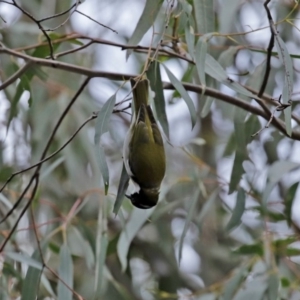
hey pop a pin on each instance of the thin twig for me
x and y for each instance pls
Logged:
(61, 13)
(50, 156)
(35, 176)
(81, 13)
(15, 76)
(14, 3)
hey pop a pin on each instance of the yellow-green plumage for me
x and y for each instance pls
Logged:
(146, 155)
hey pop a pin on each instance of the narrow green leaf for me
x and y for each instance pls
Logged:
(100, 128)
(25, 259)
(154, 77)
(201, 51)
(273, 286)
(23, 85)
(226, 58)
(241, 153)
(275, 173)
(186, 97)
(146, 20)
(207, 205)
(250, 250)
(100, 155)
(286, 60)
(101, 248)
(189, 217)
(204, 15)
(51, 167)
(103, 118)
(137, 219)
(253, 289)
(122, 188)
(215, 70)
(65, 273)
(289, 200)
(292, 252)
(238, 211)
(190, 38)
(234, 283)
(208, 100)
(288, 111)
(31, 283)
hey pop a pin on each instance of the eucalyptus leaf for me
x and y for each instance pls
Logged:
(123, 185)
(100, 128)
(146, 20)
(186, 97)
(65, 273)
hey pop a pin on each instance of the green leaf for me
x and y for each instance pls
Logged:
(215, 70)
(122, 188)
(292, 252)
(241, 153)
(137, 218)
(101, 248)
(65, 273)
(146, 20)
(153, 74)
(275, 173)
(31, 283)
(189, 217)
(289, 200)
(24, 85)
(100, 128)
(100, 154)
(186, 97)
(286, 60)
(250, 249)
(190, 38)
(201, 51)
(208, 205)
(204, 15)
(226, 58)
(273, 286)
(253, 290)
(234, 283)
(25, 259)
(238, 211)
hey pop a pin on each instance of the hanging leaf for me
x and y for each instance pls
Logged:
(275, 173)
(289, 200)
(186, 97)
(137, 219)
(187, 222)
(200, 56)
(31, 283)
(204, 14)
(65, 273)
(238, 211)
(100, 128)
(123, 185)
(153, 74)
(146, 20)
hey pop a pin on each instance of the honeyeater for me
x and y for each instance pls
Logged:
(143, 152)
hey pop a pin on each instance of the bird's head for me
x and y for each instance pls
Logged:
(144, 199)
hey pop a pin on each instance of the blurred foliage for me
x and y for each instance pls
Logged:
(227, 225)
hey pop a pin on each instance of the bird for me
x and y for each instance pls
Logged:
(143, 150)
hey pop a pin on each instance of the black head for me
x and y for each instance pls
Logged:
(144, 199)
